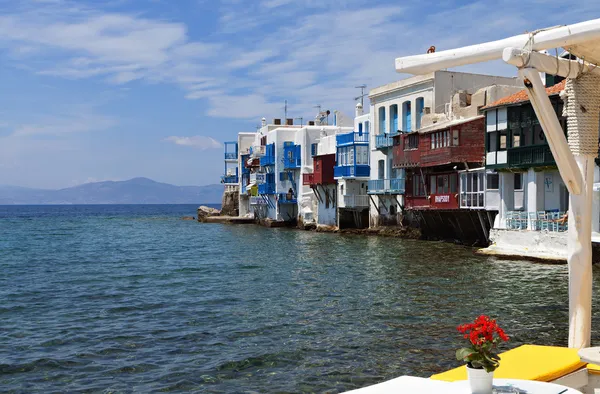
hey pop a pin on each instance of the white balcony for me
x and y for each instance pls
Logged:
(356, 201)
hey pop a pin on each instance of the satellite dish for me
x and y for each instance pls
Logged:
(328, 112)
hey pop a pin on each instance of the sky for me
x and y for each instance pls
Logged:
(116, 89)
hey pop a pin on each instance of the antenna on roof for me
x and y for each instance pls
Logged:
(285, 117)
(301, 119)
(362, 94)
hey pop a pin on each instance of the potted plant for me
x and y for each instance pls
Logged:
(484, 336)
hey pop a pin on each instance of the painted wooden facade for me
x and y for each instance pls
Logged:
(432, 159)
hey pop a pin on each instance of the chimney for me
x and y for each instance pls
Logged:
(359, 109)
(277, 122)
(289, 122)
(311, 122)
(264, 122)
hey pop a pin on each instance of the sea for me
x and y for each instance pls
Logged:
(131, 298)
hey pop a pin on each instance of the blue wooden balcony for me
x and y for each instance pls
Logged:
(384, 141)
(387, 186)
(267, 160)
(292, 155)
(352, 138)
(353, 171)
(231, 150)
(284, 198)
(245, 169)
(266, 188)
(230, 179)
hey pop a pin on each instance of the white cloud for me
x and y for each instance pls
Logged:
(64, 124)
(196, 141)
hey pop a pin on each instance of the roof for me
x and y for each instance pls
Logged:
(522, 96)
(448, 124)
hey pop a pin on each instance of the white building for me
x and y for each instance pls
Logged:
(400, 107)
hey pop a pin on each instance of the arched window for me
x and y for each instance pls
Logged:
(382, 120)
(420, 104)
(406, 116)
(393, 118)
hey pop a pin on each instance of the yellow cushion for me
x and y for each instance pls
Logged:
(593, 369)
(529, 362)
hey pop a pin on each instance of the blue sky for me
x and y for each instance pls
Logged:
(98, 90)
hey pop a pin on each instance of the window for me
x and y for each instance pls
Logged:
(453, 186)
(314, 149)
(366, 126)
(406, 117)
(381, 169)
(440, 139)
(393, 118)
(518, 181)
(455, 137)
(472, 193)
(382, 120)
(493, 181)
(503, 139)
(412, 142)
(420, 107)
(493, 141)
(516, 138)
(418, 188)
(362, 155)
(360, 128)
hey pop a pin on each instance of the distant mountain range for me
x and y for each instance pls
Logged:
(133, 191)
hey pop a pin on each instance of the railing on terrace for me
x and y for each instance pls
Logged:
(391, 186)
(384, 141)
(308, 179)
(257, 200)
(266, 188)
(230, 179)
(527, 156)
(553, 221)
(286, 198)
(230, 156)
(356, 200)
(267, 160)
(352, 138)
(293, 162)
(351, 171)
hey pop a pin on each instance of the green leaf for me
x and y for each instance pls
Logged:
(464, 353)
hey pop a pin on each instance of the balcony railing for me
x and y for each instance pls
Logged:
(528, 156)
(308, 179)
(266, 188)
(257, 200)
(230, 156)
(291, 162)
(389, 186)
(286, 198)
(351, 171)
(384, 141)
(352, 138)
(230, 179)
(356, 201)
(267, 160)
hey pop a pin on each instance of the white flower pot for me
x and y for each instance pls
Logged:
(480, 380)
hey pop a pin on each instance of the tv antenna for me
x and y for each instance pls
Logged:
(301, 119)
(362, 94)
(285, 109)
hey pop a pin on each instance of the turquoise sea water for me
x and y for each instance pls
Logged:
(132, 298)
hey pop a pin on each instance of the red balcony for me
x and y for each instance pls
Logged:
(323, 172)
(308, 179)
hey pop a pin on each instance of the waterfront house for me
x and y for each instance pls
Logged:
(351, 171)
(244, 164)
(230, 176)
(318, 204)
(401, 107)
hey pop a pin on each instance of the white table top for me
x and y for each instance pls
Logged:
(524, 386)
(411, 384)
(590, 355)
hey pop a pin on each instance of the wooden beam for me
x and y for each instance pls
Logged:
(557, 37)
(549, 64)
(375, 205)
(483, 227)
(567, 166)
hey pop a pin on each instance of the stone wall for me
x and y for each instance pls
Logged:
(230, 203)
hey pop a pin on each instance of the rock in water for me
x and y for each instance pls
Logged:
(230, 203)
(204, 212)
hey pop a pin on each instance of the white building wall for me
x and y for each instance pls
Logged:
(326, 213)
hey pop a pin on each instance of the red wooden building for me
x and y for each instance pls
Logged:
(322, 172)
(432, 158)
